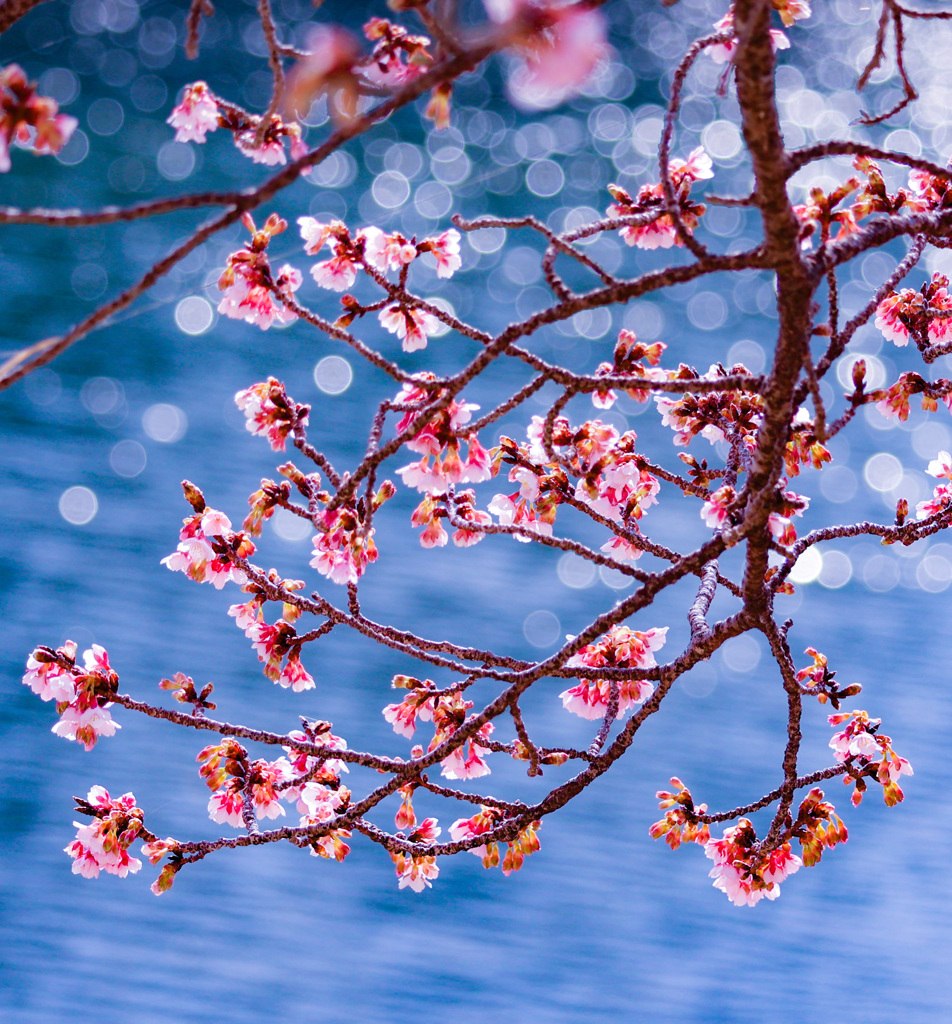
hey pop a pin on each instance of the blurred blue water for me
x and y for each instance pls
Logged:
(603, 922)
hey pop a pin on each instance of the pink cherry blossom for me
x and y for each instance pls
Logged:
(741, 873)
(415, 872)
(196, 557)
(592, 699)
(315, 234)
(511, 510)
(251, 300)
(103, 845)
(940, 501)
(621, 550)
(28, 118)
(468, 760)
(714, 511)
(941, 466)
(268, 412)
(620, 647)
(86, 726)
(337, 273)
(411, 325)
(318, 803)
(196, 115)
(387, 252)
(271, 153)
(50, 680)
(294, 674)
(343, 550)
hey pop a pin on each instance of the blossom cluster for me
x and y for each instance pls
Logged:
(868, 752)
(377, 252)
(252, 292)
(446, 709)
(104, 844)
(620, 647)
(746, 870)
(438, 436)
(208, 547)
(654, 227)
(486, 819)
(270, 413)
(245, 790)
(81, 693)
(200, 112)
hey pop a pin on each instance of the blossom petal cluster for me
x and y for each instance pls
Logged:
(447, 711)
(104, 844)
(270, 413)
(207, 548)
(864, 748)
(620, 647)
(81, 693)
(252, 291)
(654, 228)
(924, 315)
(200, 112)
(742, 872)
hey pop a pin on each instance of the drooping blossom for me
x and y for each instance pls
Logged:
(49, 679)
(398, 57)
(715, 510)
(415, 871)
(418, 704)
(742, 872)
(81, 693)
(204, 561)
(103, 845)
(255, 303)
(230, 775)
(561, 47)
(410, 324)
(439, 439)
(444, 248)
(511, 510)
(252, 291)
(270, 413)
(387, 252)
(196, 115)
(85, 726)
(343, 548)
(925, 314)
(861, 743)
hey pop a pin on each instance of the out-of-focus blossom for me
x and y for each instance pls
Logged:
(196, 115)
